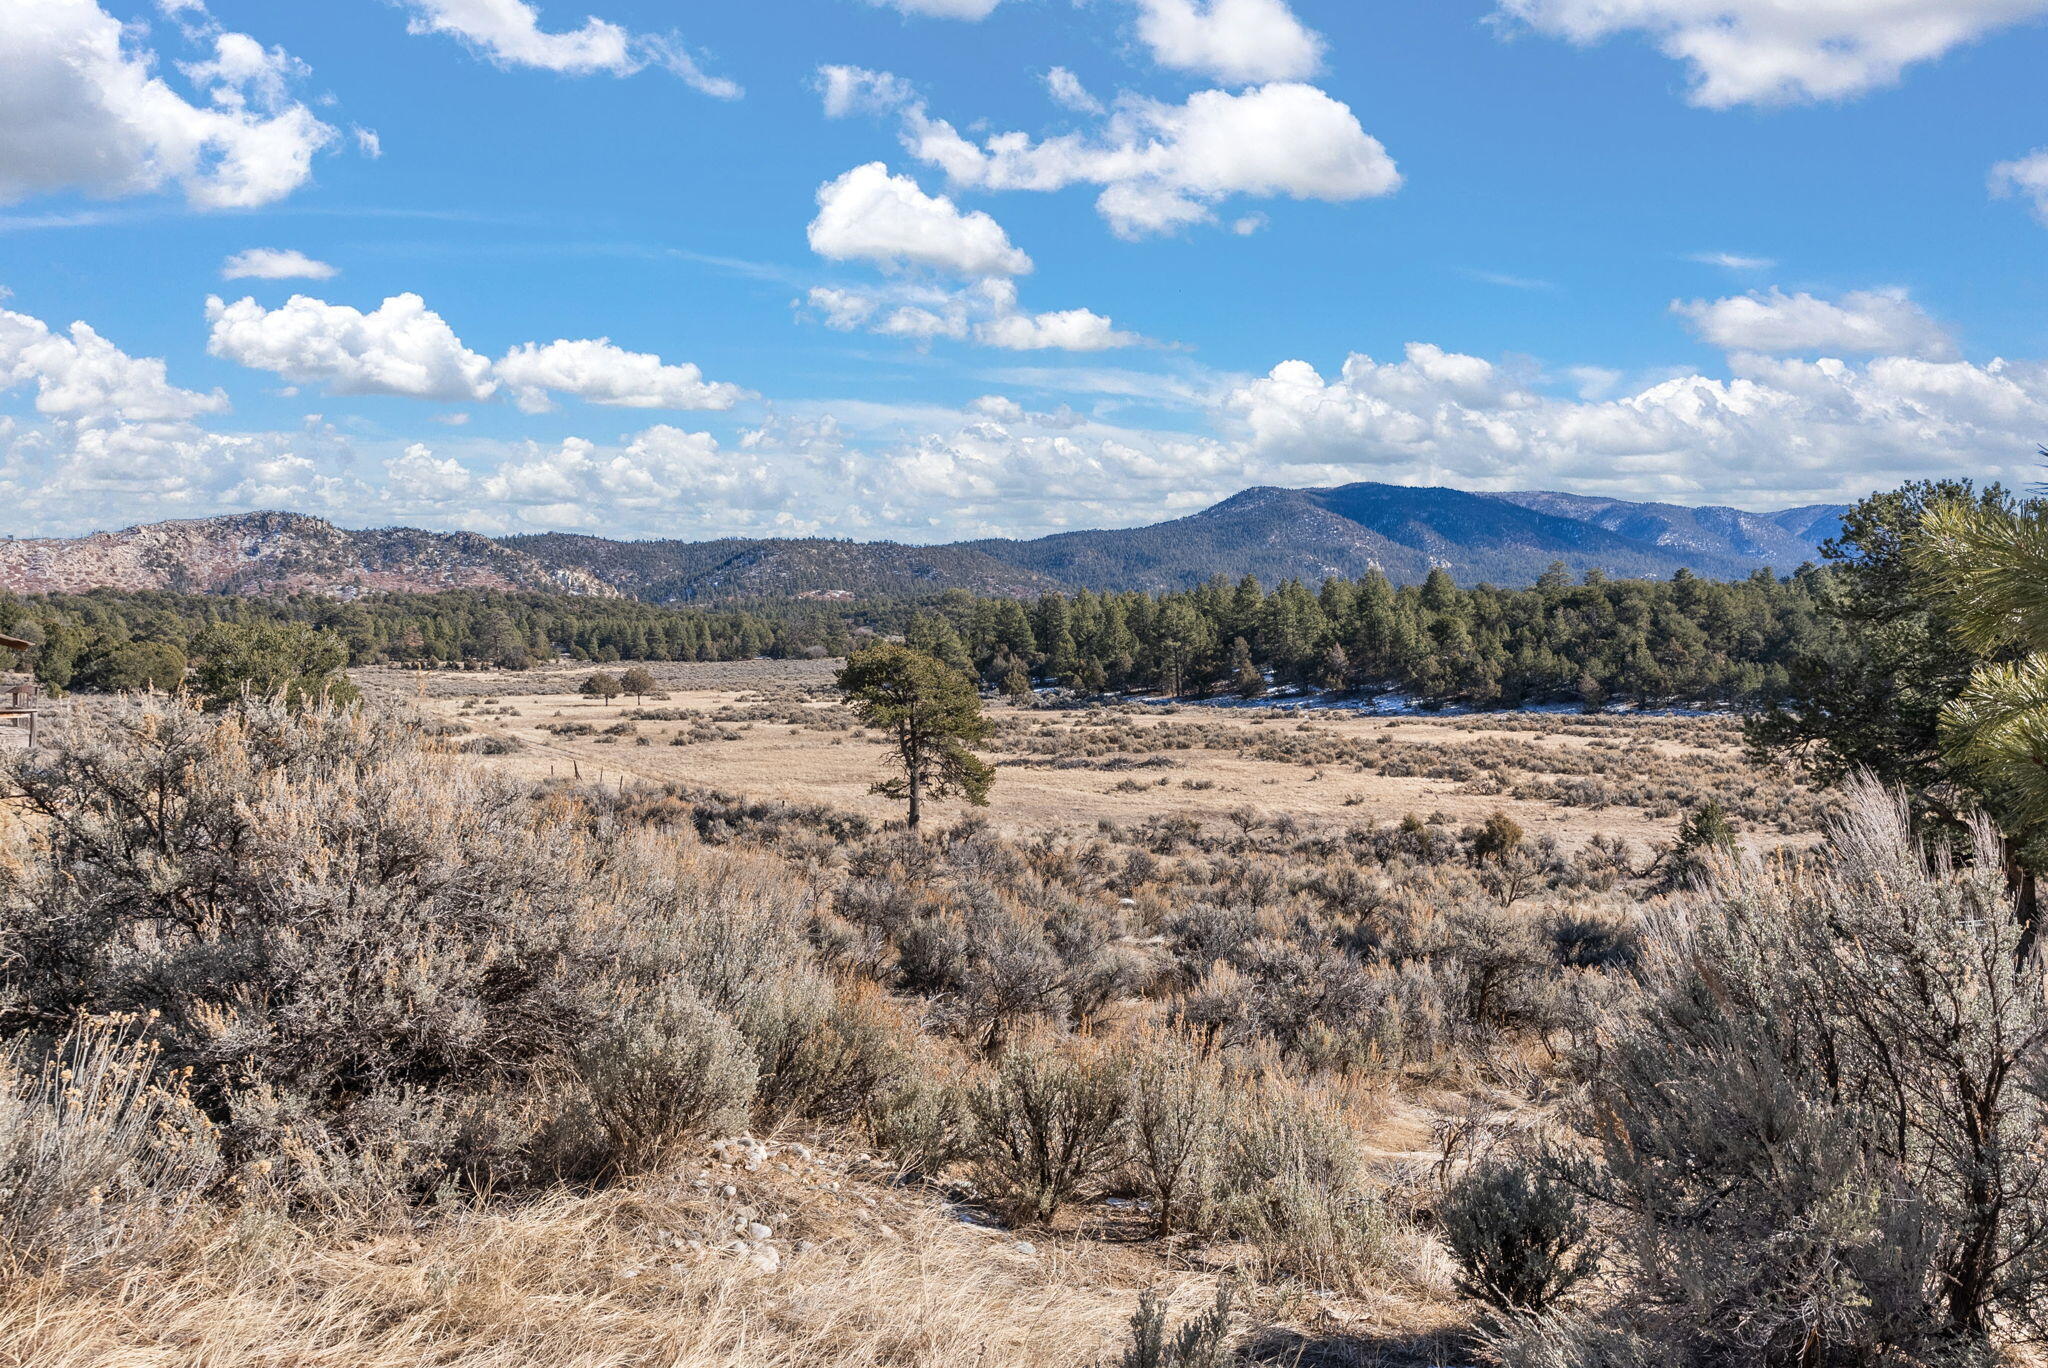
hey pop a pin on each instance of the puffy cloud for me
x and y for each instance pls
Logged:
(417, 474)
(857, 90)
(1772, 432)
(509, 33)
(84, 377)
(1238, 41)
(1861, 322)
(600, 373)
(1064, 330)
(1776, 431)
(1162, 166)
(81, 107)
(869, 215)
(1775, 52)
(271, 263)
(2027, 177)
(844, 310)
(404, 348)
(401, 347)
(73, 475)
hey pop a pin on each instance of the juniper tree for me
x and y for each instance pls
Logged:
(639, 682)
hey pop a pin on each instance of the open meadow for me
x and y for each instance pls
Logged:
(775, 730)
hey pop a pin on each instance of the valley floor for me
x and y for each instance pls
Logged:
(771, 729)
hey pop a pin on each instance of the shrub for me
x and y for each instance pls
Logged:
(1047, 1123)
(323, 911)
(923, 1124)
(665, 1069)
(99, 1151)
(1175, 1108)
(822, 1051)
(1819, 1118)
(1562, 1339)
(1198, 1344)
(1293, 1181)
(1520, 1240)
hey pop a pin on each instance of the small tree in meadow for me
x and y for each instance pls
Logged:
(639, 682)
(601, 686)
(932, 716)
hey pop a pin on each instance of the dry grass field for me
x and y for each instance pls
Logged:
(1144, 870)
(773, 730)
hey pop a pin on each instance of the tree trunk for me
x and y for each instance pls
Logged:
(2026, 900)
(915, 781)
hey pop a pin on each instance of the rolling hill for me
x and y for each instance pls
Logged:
(277, 553)
(1273, 533)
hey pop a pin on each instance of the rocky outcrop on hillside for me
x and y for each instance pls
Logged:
(279, 553)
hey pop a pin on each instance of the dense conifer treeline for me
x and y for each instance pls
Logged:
(1589, 640)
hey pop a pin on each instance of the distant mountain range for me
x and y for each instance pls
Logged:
(1276, 534)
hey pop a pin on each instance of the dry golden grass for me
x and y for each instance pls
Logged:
(775, 760)
(602, 1281)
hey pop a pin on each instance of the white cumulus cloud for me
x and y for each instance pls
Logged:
(870, 215)
(985, 311)
(400, 348)
(83, 377)
(509, 33)
(1010, 328)
(1780, 51)
(1776, 431)
(1860, 322)
(1068, 92)
(1162, 166)
(83, 106)
(596, 371)
(271, 263)
(1238, 41)
(404, 348)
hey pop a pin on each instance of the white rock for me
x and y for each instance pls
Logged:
(757, 1231)
(767, 1259)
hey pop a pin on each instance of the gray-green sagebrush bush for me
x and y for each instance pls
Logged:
(1200, 1342)
(99, 1150)
(1819, 1126)
(387, 972)
(1519, 1236)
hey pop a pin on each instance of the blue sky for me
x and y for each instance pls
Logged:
(927, 269)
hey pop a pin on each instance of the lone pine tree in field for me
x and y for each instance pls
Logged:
(932, 715)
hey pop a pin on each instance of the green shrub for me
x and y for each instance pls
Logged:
(666, 1069)
(1175, 1102)
(1047, 1123)
(1199, 1343)
(1520, 1240)
(1292, 1179)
